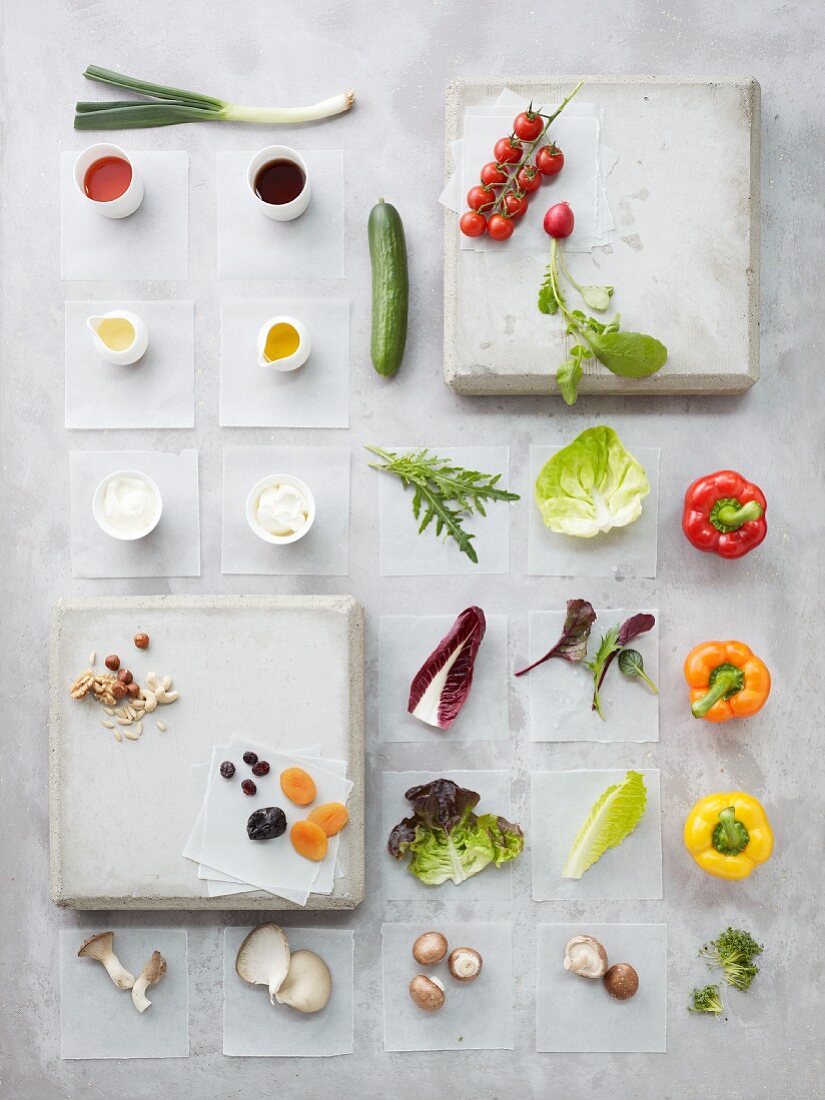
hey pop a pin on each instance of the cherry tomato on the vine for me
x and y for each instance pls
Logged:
(515, 204)
(528, 125)
(529, 179)
(480, 198)
(473, 224)
(549, 160)
(492, 174)
(499, 227)
(559, 220)
(507, 150)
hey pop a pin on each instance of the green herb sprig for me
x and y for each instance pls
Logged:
(707, 999)
(734, 951)
(442, 492)
(627, 354)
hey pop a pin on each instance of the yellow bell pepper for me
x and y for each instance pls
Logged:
(728, 834)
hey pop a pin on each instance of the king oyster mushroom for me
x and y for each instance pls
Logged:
(263, 958)
(99, 948)
(151, 974)
(308, 983)
(585, 956)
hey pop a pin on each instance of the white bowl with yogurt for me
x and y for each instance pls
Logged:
(127, 505)
(280, 509)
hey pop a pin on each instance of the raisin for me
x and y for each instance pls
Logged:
(261, 768)
(248, 787)
(227, 769)
(250, 758)
(266, 823)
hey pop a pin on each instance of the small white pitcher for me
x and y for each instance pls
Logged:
(135, 350)
(289, 362)
(125, 204)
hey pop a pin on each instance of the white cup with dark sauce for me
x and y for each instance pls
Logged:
(277, 177)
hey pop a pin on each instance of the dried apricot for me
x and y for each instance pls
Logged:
(309, 840)
(298, 786)
(331, 816)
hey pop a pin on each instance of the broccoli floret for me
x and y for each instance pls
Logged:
(734, 951)
(707, 1000)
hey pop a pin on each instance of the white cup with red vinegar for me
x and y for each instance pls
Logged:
(106, 178)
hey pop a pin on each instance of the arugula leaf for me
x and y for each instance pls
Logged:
(612, 643)
(628, 354)
(572, 645)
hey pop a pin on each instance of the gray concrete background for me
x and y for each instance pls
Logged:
(400, 58)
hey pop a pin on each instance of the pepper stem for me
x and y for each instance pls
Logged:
(730, 837)
(724, 682)
(731, 514)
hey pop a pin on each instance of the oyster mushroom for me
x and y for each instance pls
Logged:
(430, 948)
(151, 974)
(308, 983)
(465, 964)
(99, 948)
(428, 993)
(263, 958)
(585, 956)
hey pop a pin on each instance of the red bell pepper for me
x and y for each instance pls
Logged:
(725, 514)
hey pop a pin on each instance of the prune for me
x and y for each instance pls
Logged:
(227, 769)
(250, 758)
(261, 768)
(248, 787)
(266, 823)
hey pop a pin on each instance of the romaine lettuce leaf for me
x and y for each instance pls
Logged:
(591, 486)
(614, 817)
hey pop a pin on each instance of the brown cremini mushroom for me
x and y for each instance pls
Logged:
(428, 993)
(430, 948)
(621, 981)
(585, 956)
(465, 964)
(151, 974)
(99, 948)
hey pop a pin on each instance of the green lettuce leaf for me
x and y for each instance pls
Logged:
(612, 819)
(591, 485)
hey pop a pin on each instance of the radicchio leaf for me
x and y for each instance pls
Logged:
(441, 686)
(572, 645)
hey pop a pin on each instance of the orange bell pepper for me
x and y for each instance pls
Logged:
(726, 681)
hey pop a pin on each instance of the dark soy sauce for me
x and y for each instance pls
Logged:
(279, 181)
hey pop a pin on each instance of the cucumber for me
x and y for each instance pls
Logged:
(390, 288)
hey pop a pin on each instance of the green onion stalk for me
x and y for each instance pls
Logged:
(164, 106)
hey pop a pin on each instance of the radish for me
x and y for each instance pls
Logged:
(559, 220)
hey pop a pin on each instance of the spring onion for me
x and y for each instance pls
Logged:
(173, 105)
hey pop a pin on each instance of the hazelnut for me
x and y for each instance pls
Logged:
(430, 948)
(125, 676)
(112, 662)
(142, 641)
(119, 690)
(133, 690)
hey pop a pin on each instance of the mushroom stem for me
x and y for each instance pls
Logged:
(99, 948)
(150, 975)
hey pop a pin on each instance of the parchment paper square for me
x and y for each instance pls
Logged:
(254, 1028)
(97, 1020)
(315, 395)
(171, 550)
(252, 246)
(561, 694)
(491, 884)
(156, 392)
(152, 243)
(405, 643)
(477, 1015)
(561, 802)
(324, 550)
(405, 553)
(578, 1015)
(623, 552)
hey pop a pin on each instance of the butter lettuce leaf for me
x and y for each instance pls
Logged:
(611, 820)
(592, 485)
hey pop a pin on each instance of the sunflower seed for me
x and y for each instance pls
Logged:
(161, 727)
(124, 721)
(109, 711)
(108, 725)
(132, 736)
(118, 735)
(92, 657)
(139, 728)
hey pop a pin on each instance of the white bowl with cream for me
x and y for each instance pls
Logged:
(127, 505)
(280, 509)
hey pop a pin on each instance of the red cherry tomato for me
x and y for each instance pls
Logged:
(473, 224)
(549, 160)
(559, 220)
(499, 227)
(493, 174)
(507, 150)
(480, 198)
(529, 179)
(528, 125)
(515, 205)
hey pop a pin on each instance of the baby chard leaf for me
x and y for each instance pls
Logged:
(572, 645)
(628, 354)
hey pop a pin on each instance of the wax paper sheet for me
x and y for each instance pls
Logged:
(152, 243)
(315, 395)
